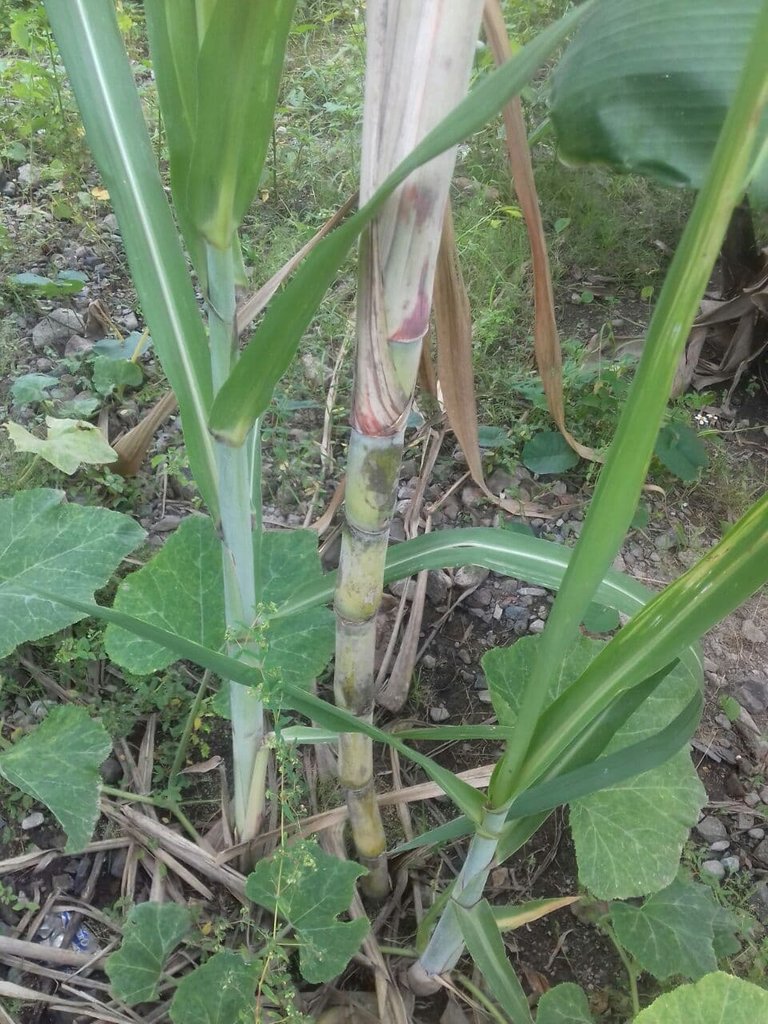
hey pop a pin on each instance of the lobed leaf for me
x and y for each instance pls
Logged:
(564, 1004)
(219, 992)
(68, 444)
(715, 999)
(309, 889)
(58, 764)
(150, 932)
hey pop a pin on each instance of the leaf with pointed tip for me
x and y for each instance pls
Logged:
(64, 548)
(58, 764)
(716, 999)
(150, 932)
(673, 931)
(564, 1004)
(219, 992)
(309, 889)
(485, 946)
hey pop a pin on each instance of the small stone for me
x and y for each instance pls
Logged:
(470, 576)
(484, 696)
(753, 695)
(759, 902)
(499, 878)
(33, 820)
(763, 795)
(731, 864)
(752, 800)
(745, 821)
(111, 771)
(407, 587)
(515, 612)
(500, 480)
(481, 598)
(438, 586)
(711, 829)
(714, 868)
(720, 846)
(396, 530)
(56, 329)
(28, 175)
(761, 852)
(756, 833)
(130, 321)
(429, 661)
(470, 495)
(464, 655)
(619, 564)
(441, 714)
(110, 223)
(723, 722)
(532, 592)
(77, 346)
(752, 632)
(537, 626)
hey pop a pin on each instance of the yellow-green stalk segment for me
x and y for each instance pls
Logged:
(419, 62)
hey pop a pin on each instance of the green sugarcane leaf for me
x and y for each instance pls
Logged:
(49, 543)
(58, 764)
(725, 577)
(509, 918)
(309, 888)
(218, 992)
(150, 932)
(485, 946)
(645, 86)
(247, 392)
(672, 933)
(715, 999)
(238, 75)
(564, 1004)
(607, 772)
(292, 696)
(615, 499)
(447, 833)
(92, 49)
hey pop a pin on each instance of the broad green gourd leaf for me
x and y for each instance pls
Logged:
(68, 445)
(113, 374)
(485, 946)
(564, 1004)
(50, 545)
(717, 999)
(248, 390)
(66, 283)
(219, 992)
(548, 452)
(150, 932)
(130, 347)
(681, 450)
(181, 590)
(91, 46)
(629, 838)
(309, 889)
(32, 387)
(672, 932)
(58, 764)
(507, 668)
(645, 86)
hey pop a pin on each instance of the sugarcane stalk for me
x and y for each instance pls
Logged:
(419, 60)
(240, 506)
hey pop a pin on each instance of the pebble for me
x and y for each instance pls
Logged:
(724, 722)
(752, 800)
(33, 820)
(441, 714)
(711, 829)
(56, 329)
(515, 612)
(465, 656)
(720, 846)
(752, 632)
(484, 696)
(714, 868)
(757, 833)
(759, 902)
(110, 223)
(745, 821)
(761, 852)
(532, 592)
(111, 771)
(438, 586)
(429, 661)
(731, 864)
(470, 576)
(537, 626)
(763, 795)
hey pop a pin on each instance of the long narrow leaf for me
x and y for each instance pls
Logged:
(327, 715)
(89, 41)
(486, 947)
(245, 396)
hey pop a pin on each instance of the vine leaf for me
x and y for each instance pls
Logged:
(151, 931)
(716, 998)
(309, 889)
(564, 1004)
(219, 992)
(58, 764)
(68, 444)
